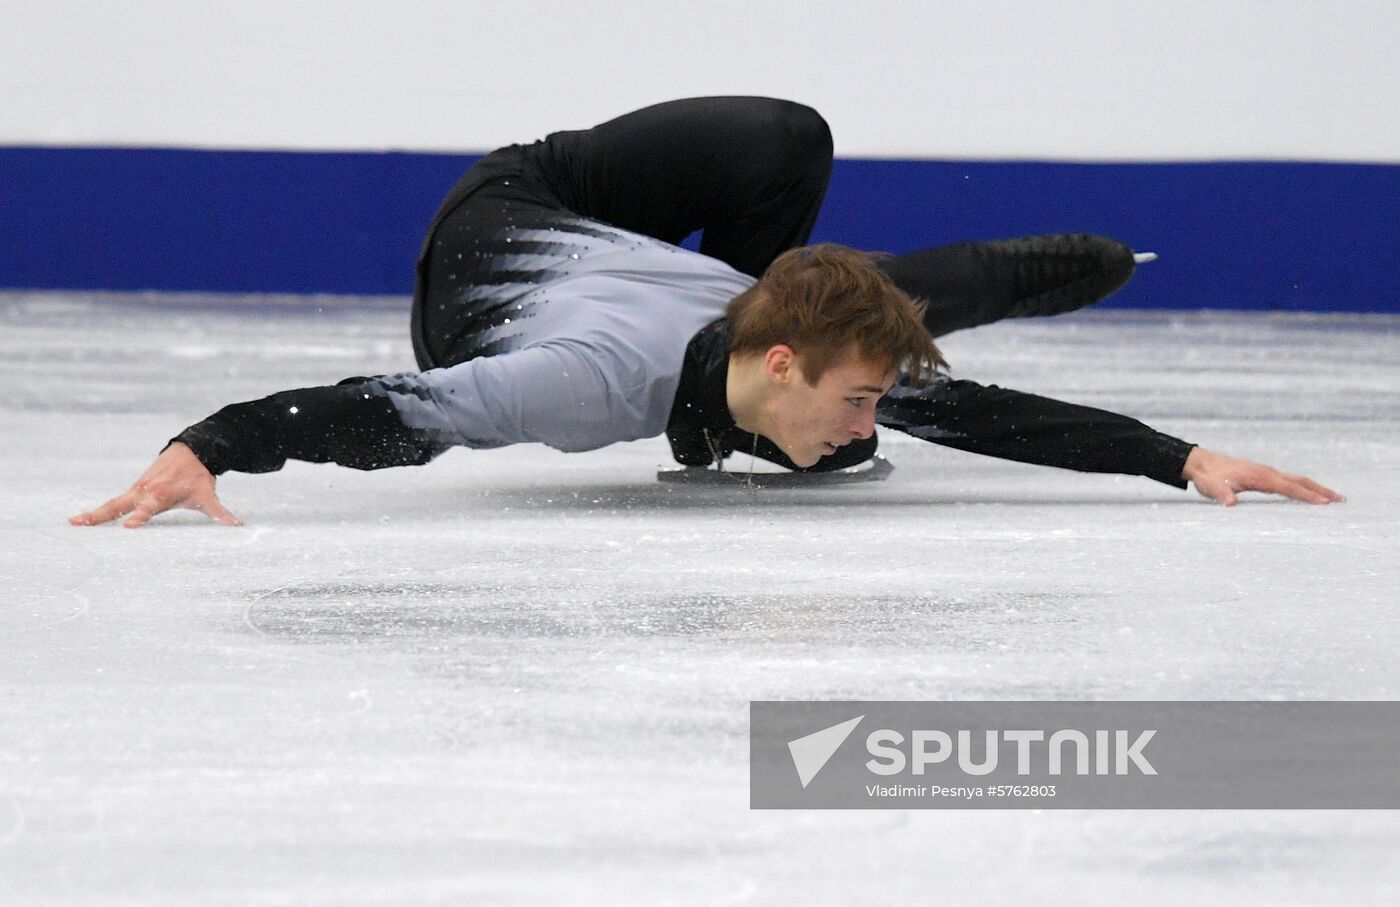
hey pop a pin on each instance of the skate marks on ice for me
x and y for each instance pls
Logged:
(391, 614)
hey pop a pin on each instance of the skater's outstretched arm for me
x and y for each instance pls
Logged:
(1004, 423)
(344, 423)
(551, 394)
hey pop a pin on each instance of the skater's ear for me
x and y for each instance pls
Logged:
(780, 363)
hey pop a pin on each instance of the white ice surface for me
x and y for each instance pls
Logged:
(519, 676)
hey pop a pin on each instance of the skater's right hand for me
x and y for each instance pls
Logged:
(175, 479)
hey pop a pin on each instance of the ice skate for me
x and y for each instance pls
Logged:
(875, 469)
(1055, 273)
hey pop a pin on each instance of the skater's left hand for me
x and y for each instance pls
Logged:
(1221, 477)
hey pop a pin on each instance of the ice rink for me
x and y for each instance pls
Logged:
(522, 677)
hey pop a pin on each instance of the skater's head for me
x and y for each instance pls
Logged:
(828, 303)
(815, 344)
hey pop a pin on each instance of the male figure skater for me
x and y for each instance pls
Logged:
(552, 305)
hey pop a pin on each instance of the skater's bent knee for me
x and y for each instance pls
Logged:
(807, 137)
(785, 136)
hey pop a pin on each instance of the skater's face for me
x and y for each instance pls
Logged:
(811, 421)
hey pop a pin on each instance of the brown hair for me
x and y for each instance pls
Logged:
(820, 300)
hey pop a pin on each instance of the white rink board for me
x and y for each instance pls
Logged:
(1071, 80)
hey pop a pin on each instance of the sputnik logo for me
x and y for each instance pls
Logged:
(811, 753)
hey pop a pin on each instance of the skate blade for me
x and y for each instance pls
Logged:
(876, 469)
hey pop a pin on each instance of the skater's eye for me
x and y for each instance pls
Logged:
(856, 401)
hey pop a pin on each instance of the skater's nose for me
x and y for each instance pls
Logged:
(863, 425)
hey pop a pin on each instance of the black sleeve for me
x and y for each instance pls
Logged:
(1003, 423)
(351, 423)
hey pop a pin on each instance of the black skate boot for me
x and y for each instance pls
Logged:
(974, 283)
(1054, 273)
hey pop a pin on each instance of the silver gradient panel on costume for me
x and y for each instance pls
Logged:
(586, 347)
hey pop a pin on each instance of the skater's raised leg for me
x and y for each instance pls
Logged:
(750, 172)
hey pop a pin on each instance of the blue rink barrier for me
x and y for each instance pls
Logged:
(1293, 236)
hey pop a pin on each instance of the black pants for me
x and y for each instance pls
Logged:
(748, 172)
